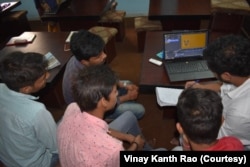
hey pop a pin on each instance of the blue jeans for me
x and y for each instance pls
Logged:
(137, 109)
(127, 123)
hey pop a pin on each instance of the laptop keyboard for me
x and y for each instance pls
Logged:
(182, 67)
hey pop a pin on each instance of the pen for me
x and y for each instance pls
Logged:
(195, 82)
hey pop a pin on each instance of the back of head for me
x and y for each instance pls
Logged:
(85, 44)
(200, 114)
(91, 84)
(229, 53)
(22, 69)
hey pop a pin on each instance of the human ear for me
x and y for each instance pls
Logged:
(104, 102)
(85, 62)
(179, 128)
(226, 76)
(26, 90)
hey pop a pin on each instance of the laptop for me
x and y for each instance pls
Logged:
(183, 54)
(54, 7)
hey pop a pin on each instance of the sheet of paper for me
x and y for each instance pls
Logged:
(167, 96)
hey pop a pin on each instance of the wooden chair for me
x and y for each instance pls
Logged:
(108, 35)
(227, 17)
(114, 18)
(43, 6)
(142, 25)
(223, 23)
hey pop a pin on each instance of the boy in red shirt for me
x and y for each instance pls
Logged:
(199, 114)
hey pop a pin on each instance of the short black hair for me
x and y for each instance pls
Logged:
(230, 53)
(20, 69)
(91, 84)
(84, 45)
(199, 112)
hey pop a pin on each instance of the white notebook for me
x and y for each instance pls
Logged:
(167, 96)
(24, 38)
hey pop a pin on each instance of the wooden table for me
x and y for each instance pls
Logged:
(179, 14)
(43, 43)
(151, 74)
(79, 14)
(46, 42)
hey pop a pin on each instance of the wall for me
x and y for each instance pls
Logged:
(132, 7)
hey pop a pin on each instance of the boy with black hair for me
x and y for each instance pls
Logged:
(27, 128)
(88, 50)
(199, 113)
(84, 138)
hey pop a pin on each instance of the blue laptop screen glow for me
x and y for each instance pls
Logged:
(183, 44)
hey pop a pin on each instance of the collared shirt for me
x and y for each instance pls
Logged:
(236, 112)
(83, 140)
(27, 130)
(72, 68)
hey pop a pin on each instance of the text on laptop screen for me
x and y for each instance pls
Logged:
(179, 45)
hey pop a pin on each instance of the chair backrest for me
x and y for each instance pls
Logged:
(45, 5)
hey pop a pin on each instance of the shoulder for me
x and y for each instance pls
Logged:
(231, 143)
(72, 108)
(72, 67)
(73, 63)
(72, 112)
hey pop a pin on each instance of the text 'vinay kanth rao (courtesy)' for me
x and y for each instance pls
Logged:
(237, 158)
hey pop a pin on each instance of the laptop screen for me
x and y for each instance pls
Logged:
(184, 44)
